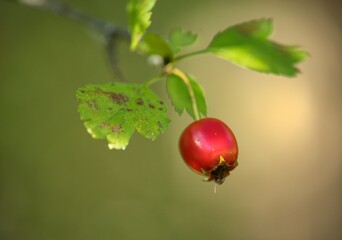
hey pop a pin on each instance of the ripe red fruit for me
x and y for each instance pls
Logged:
(209, 147)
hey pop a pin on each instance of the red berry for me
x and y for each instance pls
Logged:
(209, 147)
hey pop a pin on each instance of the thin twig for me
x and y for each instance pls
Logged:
(111, 47)
(110, 32)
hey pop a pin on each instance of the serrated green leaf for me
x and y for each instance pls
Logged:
(247, 45)
(140, 13)
(180, 38)
(114, 111)
(155, 44)
(181, 98)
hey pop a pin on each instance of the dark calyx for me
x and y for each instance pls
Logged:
(220, 173)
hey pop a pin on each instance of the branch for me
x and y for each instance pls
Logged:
(110, 32)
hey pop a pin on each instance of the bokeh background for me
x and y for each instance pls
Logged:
(56, 182)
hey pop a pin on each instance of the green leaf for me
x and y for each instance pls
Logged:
(199, 96)
(180, 38)
(114, 111)
(247, 45)
(155, 44)
(139, 12)
(180, 95)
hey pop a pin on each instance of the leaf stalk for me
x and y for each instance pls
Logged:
(190, 54)
(155, 79)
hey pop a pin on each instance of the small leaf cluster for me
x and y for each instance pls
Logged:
(115, 111)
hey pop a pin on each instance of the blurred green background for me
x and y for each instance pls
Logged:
(56, 182)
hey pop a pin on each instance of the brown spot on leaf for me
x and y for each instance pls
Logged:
(92, 105)
(129, 109)
(118, 98)
(117, 128)
(248, 28)
(140, 101)
(160, 125)
(151, 106)
(104, 125)
(98, 90)
(161, 102)
(161, 109)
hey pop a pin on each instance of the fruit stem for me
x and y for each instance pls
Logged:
(186, 80)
